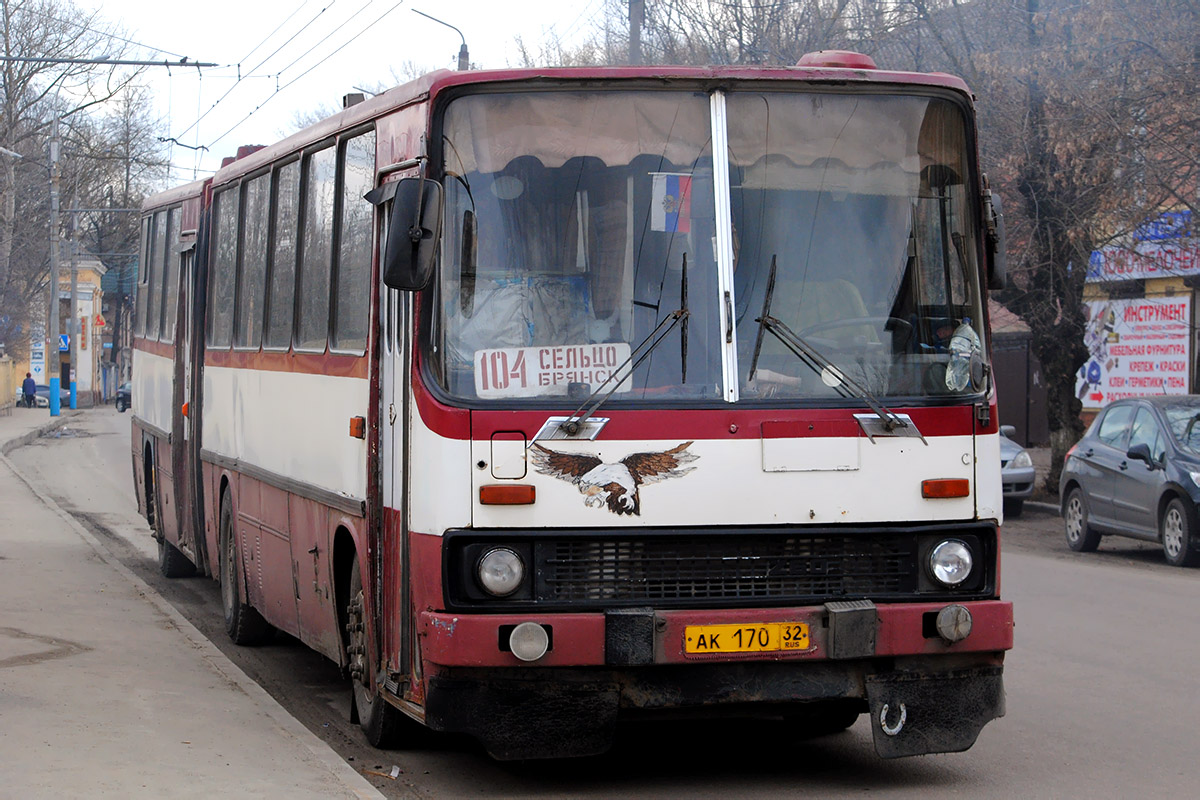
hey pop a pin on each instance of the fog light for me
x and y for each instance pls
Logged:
(951, 562)
(529, 641)
(501, 571)
(954, 623)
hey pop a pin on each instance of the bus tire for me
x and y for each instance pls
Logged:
(171, 562)
(384, 725)
(244, 625)
(1081, 537)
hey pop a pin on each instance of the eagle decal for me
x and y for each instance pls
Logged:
(615, 485)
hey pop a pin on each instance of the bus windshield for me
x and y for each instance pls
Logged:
(579, 224)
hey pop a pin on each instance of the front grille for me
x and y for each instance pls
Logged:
(590, 570)
(724, 569)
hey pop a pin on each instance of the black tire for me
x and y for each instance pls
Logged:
(384, 725)
(171, 562)
(1080, 536)
(823, 718)
(1014, 507)
(244, 625)
(121, 406)
(1176, 531)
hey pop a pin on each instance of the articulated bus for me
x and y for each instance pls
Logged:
(540, 399)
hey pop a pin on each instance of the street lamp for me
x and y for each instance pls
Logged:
(464, 60)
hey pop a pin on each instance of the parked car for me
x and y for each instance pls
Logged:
(1016, 472)
(123, 394)
(41, 399)
(1136, 472)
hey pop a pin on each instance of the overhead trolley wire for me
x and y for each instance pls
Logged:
(310, 69)
(259, 64)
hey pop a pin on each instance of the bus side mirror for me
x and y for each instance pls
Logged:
(413, 233)
(994, 211)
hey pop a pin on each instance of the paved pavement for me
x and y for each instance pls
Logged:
(107, 691)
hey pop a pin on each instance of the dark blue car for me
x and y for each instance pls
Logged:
(1136, 472)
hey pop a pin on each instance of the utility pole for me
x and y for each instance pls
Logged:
(53, 369)
(637, 10)
(73, 328)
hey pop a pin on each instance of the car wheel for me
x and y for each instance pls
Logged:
(120, 406)
(1080, 537)
(1013, 508)
(1178, 544)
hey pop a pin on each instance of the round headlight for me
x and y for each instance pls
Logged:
(950, 562)
(501, 571)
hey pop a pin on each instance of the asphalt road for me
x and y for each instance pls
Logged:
(1099, 684)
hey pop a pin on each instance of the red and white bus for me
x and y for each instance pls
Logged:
(537, 399)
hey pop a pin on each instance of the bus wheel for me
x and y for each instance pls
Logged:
(244, 625)
(379, 720)
(171, 562)
(824, 718)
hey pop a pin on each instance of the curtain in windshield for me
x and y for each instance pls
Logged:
(576, 223)
(860, 203)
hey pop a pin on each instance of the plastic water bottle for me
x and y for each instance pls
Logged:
(964, 344)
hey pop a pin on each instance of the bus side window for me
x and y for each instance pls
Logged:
(252, 266)
(220, 302)
(157, 251)
(316, 250)
(170, 272)
(351, 298)
(282, 255)
(143, 292)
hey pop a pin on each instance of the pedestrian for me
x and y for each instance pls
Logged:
(29, 388)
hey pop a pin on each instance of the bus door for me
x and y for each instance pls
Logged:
(393, 604)
(184, 454)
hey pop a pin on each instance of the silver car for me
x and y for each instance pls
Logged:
(1016, 472)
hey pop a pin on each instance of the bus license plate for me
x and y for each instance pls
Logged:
(745, 638)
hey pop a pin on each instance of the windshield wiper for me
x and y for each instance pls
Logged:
(574, 423)
(816, 360)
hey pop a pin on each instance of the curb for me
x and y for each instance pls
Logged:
(37, 433)
(354, 782)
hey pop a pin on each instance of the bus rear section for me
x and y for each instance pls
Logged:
(700, 420)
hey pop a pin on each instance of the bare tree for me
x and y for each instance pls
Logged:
(38, 39)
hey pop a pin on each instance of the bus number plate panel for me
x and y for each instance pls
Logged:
(754, 638)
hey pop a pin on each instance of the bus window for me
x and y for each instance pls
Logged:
(252, 270)
(157, 251)
(283, 257)
(354, 244)
(171, 276)
(316, 250)
(143, 293)
(220, 304)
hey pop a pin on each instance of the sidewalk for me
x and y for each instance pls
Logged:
(107, 691)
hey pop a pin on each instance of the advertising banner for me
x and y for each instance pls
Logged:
(1137, 346)
(1162, 247)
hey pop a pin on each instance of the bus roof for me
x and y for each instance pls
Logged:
(432, 84)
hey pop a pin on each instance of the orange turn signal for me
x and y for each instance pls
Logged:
(185, 409)
(358, 427)
(946, 487)
(507, 494)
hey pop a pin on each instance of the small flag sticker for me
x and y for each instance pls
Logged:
(671, 209)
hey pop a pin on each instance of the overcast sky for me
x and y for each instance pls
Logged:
(285, 55)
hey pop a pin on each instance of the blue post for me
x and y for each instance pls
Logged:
(74, 403)
(55, 402)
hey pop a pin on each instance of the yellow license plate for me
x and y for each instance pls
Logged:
(754, 638)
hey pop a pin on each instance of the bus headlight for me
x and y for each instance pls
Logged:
(950, 562)
(501, 571)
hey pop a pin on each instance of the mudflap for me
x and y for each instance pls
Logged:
(915, 714)
(517, 719)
